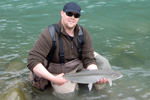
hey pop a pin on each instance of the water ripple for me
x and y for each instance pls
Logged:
(9, 57)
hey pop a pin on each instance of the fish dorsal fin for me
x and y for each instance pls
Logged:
(85, 69)
(90, 85)
(88, 69)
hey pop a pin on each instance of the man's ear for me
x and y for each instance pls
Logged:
(62, 12)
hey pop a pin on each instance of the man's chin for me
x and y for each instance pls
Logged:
(71, 26)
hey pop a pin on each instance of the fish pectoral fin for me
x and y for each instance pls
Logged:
(110, 82)
(90, 85)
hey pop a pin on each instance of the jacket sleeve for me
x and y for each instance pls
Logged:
(87, 50)
(40, 49)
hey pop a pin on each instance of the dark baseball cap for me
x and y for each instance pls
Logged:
(72, 7)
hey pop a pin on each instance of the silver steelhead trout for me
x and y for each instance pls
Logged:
(91, 76)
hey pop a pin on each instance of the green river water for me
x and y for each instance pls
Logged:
(120, 30)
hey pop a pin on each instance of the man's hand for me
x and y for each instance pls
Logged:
(102, 81)
(59, 80)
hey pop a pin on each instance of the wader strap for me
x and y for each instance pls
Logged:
(53, 48)
(61, 52)
(80, 42)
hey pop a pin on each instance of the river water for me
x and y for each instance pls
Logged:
(120, 30)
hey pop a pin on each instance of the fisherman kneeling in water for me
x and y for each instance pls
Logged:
(69, 60)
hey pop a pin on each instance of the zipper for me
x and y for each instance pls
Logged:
(72, 49)
(71, 44)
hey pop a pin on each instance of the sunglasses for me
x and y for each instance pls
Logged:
(70, 14)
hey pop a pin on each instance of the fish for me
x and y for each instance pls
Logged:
(89, 77)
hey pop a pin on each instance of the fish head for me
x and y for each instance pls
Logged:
(116, 75)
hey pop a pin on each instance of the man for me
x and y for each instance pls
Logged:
(69, 30)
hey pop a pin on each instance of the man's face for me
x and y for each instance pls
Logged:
(69, 21)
